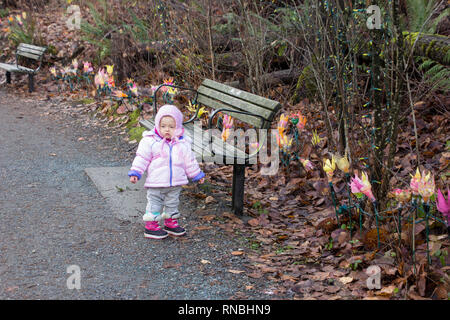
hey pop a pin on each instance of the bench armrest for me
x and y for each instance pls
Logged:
(155, 109)
(243, 112)
(34, 70)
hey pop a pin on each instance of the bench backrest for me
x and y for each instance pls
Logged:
(30, 51)
(220, 96)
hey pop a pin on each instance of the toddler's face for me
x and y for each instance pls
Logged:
(167, 126)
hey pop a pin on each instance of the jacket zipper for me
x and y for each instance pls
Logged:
(170, 163)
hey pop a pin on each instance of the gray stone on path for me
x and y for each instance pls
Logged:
(127, 200)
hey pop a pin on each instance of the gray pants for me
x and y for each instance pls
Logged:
(159, 199)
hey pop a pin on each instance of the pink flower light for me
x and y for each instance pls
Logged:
(362, 186)
(443, 205)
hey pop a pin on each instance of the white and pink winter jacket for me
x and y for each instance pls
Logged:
(168, 163)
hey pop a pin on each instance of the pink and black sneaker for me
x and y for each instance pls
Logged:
(172, 227)
(153, 230)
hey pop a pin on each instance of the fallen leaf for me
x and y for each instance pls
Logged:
(205, 261)
(255, 275)
(441, 292)
(201, 228)
(209, 199)
(346, 280)
(386, 291)
(253, 222)
(208, 217)
(237, 253)
(236, 271)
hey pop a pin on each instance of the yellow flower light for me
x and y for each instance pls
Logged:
(343, 164)
(426, 186)
(110, 69)
(329, 167)
(120, 94)
(315, 140)
(192, 107)
(414, 184)
(201, 111)
(282, 124)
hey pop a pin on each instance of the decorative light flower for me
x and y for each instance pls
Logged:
(443, 205)
(299, 120)
(134, 90)
(87, 67)
(99, 78)
(282, 124)
(53, 71)
(367, 188)
(227, 125)
(401, 195)
(362, 185)
(426, 185)
(307, 164)
(282, 141)
(169, 90)
(75, 64)
(225, 134)
(67, 70)
(120, 94)
(329, 167)
(109, 69)
(315, 140)
(111, 83)
(356, 185)
(19, 20)
(227, 121)
(414, 184)
(192, 108)
(201, 111)
(343, 164)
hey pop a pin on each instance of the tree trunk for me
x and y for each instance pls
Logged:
(432, 46)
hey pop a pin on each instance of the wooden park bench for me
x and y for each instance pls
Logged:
(25, 51)
(249, 108)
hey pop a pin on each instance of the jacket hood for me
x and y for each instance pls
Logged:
(174, 112)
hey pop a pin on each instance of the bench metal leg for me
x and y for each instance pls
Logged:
(8, 77)
(237, 202)
(30, 82)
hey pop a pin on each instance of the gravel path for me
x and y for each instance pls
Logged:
(52, 217)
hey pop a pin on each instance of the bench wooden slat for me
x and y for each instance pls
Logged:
(255, 121)
(234, 103)
(14, 68)
(36, 50)
(268, 104)
(25, 46)
(8, 67)
(29, 55)
(32, 51)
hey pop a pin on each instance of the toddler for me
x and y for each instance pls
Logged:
(167, 157)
